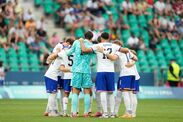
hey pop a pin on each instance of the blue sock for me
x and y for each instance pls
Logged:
(87, 102)
(74, 103)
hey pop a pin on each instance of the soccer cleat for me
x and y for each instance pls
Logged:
(133, 115)
(73, 115)
(53, 114)
(45, 114)
(104, 116)
(126, 116)
(98, 114)
(86, 115)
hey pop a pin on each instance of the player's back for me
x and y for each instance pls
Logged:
(104, 64)
(53, 71)
(123, 60)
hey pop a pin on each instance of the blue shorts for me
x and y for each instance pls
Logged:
(51, 85)
(60, 83)
(67, 85)
(1, 82)
(105, 81)
(136, 86)
(126, 83)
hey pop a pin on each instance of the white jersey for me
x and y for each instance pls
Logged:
(67, 61)
(123, 60)
(137, 76)
(103, 63)
(60, 46)
(53, 71)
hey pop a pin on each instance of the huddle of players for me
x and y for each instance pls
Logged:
(75, 56)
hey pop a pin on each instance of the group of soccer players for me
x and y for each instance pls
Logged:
(70, 72)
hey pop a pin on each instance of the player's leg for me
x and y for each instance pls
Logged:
(110, 88)
(125, 86)
(134, 98)
(101, 86)
(76, 85)
(87, 85)
(91, 100)
(67, 90)
(51, 87)
(99, 106)
(60, 87)
(118, 99)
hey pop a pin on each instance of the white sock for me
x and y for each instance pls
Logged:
(98, 101)
(134, 104)
(51, 101)
(61, 99)
(108, 103)
(103, 96)
(47, 107)
(91, 100)
(127, 102)
(117, 102)
(65, 102)
(110, 95)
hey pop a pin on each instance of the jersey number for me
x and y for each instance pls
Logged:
(110, 51)
(70, 58)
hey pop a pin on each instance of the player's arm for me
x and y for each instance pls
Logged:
(83, 48)
(52, 56)
(112, 57)
(65, 69)
(133, 55)
(123, 50)
(130, 64)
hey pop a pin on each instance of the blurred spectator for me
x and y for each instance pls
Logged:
(9, 10)
(3, 26)
(35, 46)
(99, 21)
(155, 26)
(121, 24)
(4, 42)
(142, 45)
(178, 7)
(2, 74)
(42, 35)
(111, 23)
(41, 24)
(127, 7)
(70, 22)
(31, 38)
(27, 15)
(18, 9)
(30, 24)
(159, 7)
(168, 7)
(173, 75)
(133, 42)
(154, 41)
(54, 40)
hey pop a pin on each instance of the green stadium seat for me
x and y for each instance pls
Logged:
(145, 37)
(125, 35)
(38, 2)
(142, 20)
(132, 19)
(164, 43)
(79, 33)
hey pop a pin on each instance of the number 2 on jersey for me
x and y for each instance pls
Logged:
(110, 51)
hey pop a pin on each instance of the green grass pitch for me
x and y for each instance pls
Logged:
(148, 111)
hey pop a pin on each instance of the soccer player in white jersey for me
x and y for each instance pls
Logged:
(59, 47)
(127, 83)
(51, 81)
(105, 83)
(67, 62)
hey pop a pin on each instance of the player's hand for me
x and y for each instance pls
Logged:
(81, 39)
(134, 52)
(130, 64)
(100, 49)
(58, 50)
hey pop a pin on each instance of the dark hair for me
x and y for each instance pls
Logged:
(1, 63)
(89, 35)
(99, 39)
(70, 40)
(105, 35)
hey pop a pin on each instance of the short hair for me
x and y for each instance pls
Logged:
(105, 35)
(99, 39)
(88, 35)
(70, 40)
